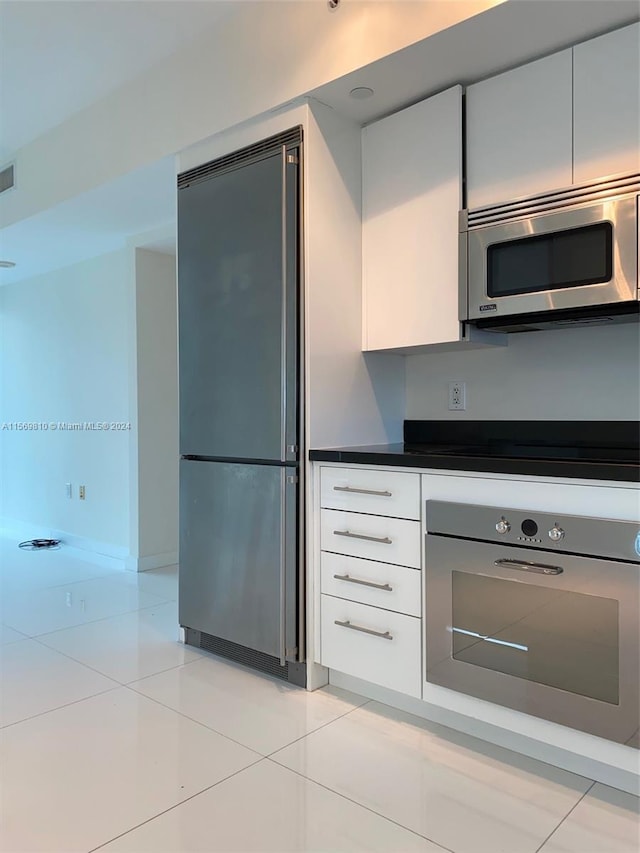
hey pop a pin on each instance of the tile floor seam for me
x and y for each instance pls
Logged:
(217, 731)
(153, 674)
(73, 583)
(573, 807)
(314, 731)
(91, 580)
(192, 719)
(177, 805)
(361, 805)
(92, 621)
(97, 671)
(116, 686)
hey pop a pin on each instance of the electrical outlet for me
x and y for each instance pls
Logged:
(68, 490)
(81, 493)
(457, 396)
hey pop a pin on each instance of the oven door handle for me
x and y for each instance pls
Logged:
(525, 566)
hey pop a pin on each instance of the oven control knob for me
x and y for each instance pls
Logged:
(556, 534)
(503, 526)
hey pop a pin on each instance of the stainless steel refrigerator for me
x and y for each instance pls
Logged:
(241, 589)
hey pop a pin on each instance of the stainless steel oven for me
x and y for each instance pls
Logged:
(564, 257)
(536, 612)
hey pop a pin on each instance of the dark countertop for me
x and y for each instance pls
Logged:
(579, 450)
(395, 455)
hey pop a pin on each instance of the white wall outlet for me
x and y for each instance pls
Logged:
(68, 490)
(81, 492)
(457, 396)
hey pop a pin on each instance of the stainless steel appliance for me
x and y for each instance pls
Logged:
(558, 258)
(536, 612)
(241, 586)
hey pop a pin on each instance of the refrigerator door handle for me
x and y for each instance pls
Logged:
(283, 341)
(283, 571)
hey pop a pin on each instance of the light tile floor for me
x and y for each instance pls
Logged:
(116, 737)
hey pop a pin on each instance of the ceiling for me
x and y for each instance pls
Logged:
(94, 223)
(59, 56)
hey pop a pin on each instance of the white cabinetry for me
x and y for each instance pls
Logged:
(376, 645)
(606, 131)
(566, 119)
(376, 491)
(519, 132)
(369, 561)
(411, 195)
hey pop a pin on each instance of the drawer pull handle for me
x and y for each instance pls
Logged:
(383, 494)
(383, 539)
(384, 586)
(385, 635)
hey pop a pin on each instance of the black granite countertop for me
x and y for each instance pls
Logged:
(593, 450)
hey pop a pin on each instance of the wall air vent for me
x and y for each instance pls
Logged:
(7, 178)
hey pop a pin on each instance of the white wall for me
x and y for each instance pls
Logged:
(64, 357)
(154, 451)
(590, 373)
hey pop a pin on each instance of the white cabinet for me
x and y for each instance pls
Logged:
(368, 575)
(376, 491)
(379, 584)
(372, 537)
(606, 132)
(411, 195)
(373, 644)
(519, 132)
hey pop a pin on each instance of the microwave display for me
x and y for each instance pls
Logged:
(551, 261)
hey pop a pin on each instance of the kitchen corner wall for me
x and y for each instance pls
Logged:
(64, 358)
(154, 405)
(590, 373)
(96, 341)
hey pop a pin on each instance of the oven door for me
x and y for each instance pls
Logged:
(561, 645)
(575, 258)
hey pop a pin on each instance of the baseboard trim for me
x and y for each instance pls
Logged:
(104, 554)
(153, 561)
(582, 765)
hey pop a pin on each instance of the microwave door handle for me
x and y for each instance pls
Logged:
(525, 566)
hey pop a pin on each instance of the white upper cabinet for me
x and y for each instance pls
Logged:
(519, 132)
(606, 134)
(411, 195)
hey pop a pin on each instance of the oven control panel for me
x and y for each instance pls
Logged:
(596, 537)
(530, 531)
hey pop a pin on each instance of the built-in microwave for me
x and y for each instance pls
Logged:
(560, 258)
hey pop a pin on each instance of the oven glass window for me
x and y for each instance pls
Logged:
(571, 258)
(563, 639)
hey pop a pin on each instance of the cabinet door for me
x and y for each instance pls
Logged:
(519, 136)
(606, 133)
(411, 194)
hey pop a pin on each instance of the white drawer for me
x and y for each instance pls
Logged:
(373, 537)
(390, 656)
(380, 584)
(377, 491)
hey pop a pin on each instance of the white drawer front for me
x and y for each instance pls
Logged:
(392, 587)
(387, 540)
(391, 660)
(379, 492)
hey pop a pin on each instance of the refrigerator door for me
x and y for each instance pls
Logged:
(238, 554)
(237, 294)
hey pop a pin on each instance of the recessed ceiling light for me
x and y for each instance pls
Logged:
(361, 93)
(7, 265)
